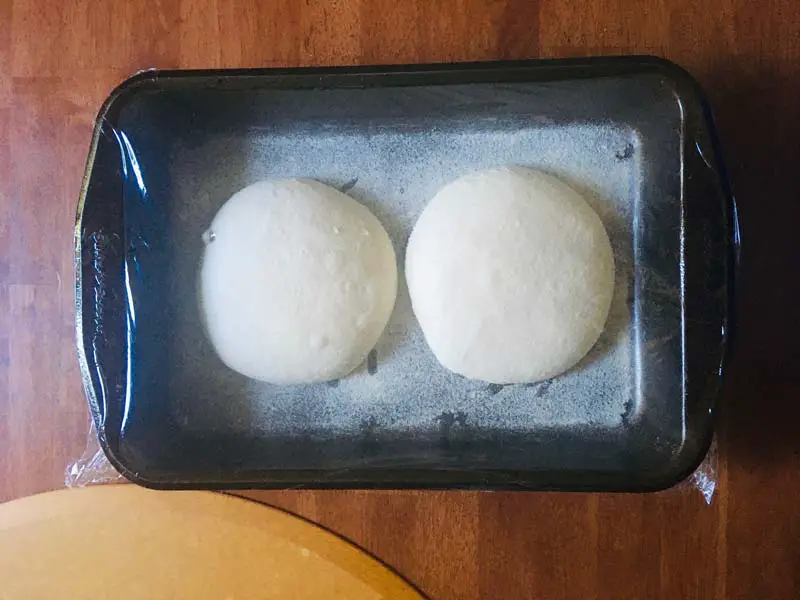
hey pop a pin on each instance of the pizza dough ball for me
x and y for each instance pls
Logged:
(511, 275)
(297, 283)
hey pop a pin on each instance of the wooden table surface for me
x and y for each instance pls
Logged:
(59, 59)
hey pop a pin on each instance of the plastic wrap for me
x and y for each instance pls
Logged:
(93, 468)
(170, 148)
(705, 477)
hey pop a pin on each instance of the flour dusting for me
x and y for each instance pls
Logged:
(395, 172)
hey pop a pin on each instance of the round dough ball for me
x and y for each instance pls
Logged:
(297, 283)
(511, 275)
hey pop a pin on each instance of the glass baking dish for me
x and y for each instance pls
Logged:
(634, 134)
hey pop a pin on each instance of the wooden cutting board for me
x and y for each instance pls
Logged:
(129, 543)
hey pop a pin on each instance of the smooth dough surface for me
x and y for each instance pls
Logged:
(511, 275)
(297, 283)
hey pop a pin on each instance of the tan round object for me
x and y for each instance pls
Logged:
(129, 543)
(297, 283)
(511, 275)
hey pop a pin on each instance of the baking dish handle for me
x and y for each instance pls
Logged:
(103, 338)
(711, 225)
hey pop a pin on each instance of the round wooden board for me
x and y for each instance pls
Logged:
(129, 543)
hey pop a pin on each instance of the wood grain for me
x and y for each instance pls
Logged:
(58, 60)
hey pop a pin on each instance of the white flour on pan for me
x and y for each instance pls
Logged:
(395, 173)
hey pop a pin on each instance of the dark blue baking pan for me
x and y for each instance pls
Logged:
(169, 147)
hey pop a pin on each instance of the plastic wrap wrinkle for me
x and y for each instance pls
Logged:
(92, 467)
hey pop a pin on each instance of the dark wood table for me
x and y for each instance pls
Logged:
(59, 59)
